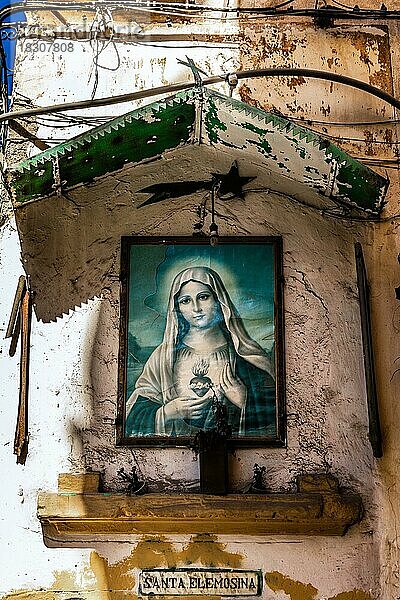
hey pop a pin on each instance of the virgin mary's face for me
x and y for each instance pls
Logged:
(198, 305)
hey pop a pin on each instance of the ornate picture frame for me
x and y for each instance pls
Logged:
(201, 327)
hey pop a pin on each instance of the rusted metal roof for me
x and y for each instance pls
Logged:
(287, 151)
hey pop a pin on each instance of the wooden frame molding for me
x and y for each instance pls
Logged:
(79, 514)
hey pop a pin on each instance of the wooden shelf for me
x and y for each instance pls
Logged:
(78, 512)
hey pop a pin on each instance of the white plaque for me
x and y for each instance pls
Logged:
(186, 582)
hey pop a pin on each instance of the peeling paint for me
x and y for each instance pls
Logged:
(296, 590)
(206, 550)
(112, 576)
(64, 581)
(213, 123)
(293, 82)
(112, 579)
(246, 95)
(153, 552)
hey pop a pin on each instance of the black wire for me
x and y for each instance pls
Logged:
(185, 7)
(105, 20)
(350, 139)
(188, 47)
(385, 166)
(184, 85)
(380, 160)
(338, 13)
(18, 93)
(62, 123)
(78, 120)
(104, 118)
(344, 123)
(67, 126)
(59, 117)
(54, 141)
(383, 163)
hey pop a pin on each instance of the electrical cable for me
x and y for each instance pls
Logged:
(102, 22)
(356, 140)
(384, 163)
(386, 167)
(54, 141)
(76, 118)
(64, 123)
(380, 160)
(307, 121)
(73, 119)
(189, 7)
(66, 126)
(88, 119)
(178, 8)
(188, 10)
(248, 74)
(232, 45)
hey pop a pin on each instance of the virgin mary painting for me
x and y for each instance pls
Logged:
(206, 354)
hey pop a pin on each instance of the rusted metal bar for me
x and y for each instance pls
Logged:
(375, 435)
(14, 311)
(21, 432)
(15, 335)
(23, 132)
(60, 17)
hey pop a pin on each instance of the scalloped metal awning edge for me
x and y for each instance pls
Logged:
(143, 134)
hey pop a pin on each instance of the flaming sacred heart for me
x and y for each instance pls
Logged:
(200, 383)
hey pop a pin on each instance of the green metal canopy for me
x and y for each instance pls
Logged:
(150, 172)
(290, 155)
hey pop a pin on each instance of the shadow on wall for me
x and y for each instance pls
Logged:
(91, 412)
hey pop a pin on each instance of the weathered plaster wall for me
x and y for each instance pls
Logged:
(383, 256)
(74, 359)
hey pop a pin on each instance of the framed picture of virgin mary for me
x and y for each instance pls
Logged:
(201, 326)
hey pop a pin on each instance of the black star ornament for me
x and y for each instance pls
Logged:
(231, 184)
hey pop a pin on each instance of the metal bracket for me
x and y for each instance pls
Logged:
(199, 98)
(57, 186)
(189, 62)
(232, 81)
